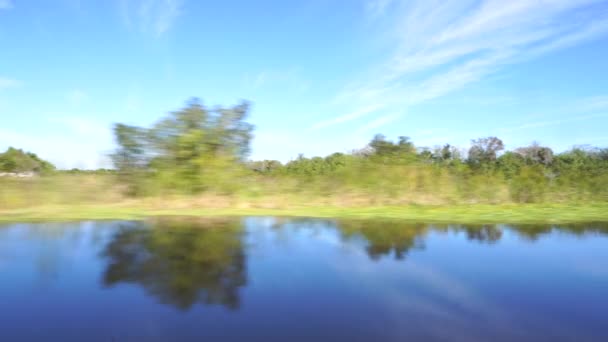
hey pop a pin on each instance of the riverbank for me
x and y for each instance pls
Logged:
(478, 213)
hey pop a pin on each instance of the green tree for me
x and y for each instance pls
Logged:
(536, 154)
(485, 150)
(188, 150)
(16, 160)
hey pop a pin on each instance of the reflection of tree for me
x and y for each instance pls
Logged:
(533, 232)
(180, 262)
(484, 233)
(385, 237)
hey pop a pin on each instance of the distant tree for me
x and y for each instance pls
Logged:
(484, 150)
(425, 154)
(265, 166)
(406, 145)
(536, 153)
(445, 153)
(383, 147)
(16, 160)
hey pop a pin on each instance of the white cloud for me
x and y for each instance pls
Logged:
(377, 8)
(6, 4)
(347, 117)
(62, 150)
(76, 97)
(379, 122)
(150, 16)
(556, 122)
(584, 109)
(444, 46)
(9, 83)
(288, 79)
(83, 127)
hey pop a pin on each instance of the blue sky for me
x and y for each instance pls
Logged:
(323, 75)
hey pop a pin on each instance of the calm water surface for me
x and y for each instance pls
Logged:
(305, 279)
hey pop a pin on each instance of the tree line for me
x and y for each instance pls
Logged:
(197, 149)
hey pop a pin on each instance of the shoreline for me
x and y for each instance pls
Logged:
(472, 214)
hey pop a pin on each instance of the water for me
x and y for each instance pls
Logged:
(304, 279)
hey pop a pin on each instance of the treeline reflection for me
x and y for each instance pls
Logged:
(180, 262)
(183, 262)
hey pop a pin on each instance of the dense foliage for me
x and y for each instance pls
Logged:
(17, 161)
(200, 154)
(197, 149)
(189, 150)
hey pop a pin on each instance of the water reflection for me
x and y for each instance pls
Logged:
(390, 237)
(385, 237)
(348, 279)
(185, 261)
(180, 261)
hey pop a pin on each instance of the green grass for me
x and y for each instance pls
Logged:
(519, 213)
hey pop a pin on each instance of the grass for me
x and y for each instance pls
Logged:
(478, 213)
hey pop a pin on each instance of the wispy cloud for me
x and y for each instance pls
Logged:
(379, 122)
(76, 97)
(286, 79)
(540, 124)
(6, 4)
(446, 45)
(590, 108)
(150, 16)
(9, 83)
(347, 117)
(59, 148)
(377, 8)
(83, 126)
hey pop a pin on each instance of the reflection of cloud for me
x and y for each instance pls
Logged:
(593, 268)
(443, 305)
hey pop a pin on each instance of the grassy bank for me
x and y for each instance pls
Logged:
(479, 214)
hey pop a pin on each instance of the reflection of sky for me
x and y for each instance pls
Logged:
(305, 277)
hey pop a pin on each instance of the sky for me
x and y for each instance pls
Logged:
(323, 76)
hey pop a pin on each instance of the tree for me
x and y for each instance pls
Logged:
(18, 161)
(445, 153)
(484, 150)
(383, 147)
(536, 154)
(188, 148)
(130, 157)
(130, 154)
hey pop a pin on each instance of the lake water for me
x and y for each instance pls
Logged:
(302, 279)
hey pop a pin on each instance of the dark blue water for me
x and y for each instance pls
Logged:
(275, 279)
